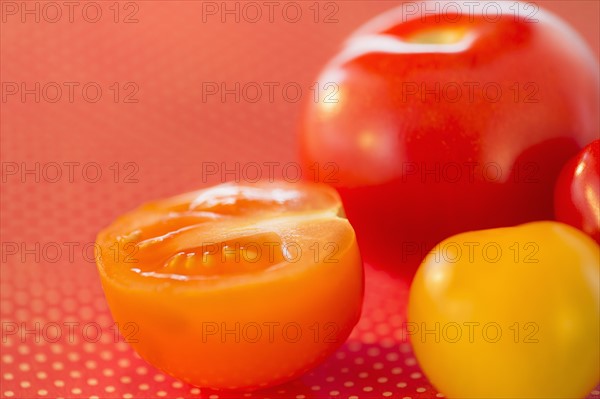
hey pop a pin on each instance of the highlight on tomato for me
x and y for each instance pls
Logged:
(577, 192)
(237, 286)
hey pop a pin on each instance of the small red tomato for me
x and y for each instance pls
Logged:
(577, 193)
(450, 121)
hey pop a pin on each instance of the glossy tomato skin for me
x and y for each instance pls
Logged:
(509, 313)
(577, 193)
(467, 133)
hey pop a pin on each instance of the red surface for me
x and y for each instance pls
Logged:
(163, 139)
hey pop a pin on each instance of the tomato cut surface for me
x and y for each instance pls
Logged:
(236, 286)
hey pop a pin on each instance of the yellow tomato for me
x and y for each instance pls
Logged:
(509, 313)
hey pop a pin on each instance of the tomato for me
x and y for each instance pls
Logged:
(234, 287)
(577, 193)
(509, 313)
(450, 121)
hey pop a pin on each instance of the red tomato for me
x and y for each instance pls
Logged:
(577, 194)
(449, 122)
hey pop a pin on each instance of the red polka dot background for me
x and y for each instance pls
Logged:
(105, 106)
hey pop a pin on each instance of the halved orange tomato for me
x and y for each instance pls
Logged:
(238, 286)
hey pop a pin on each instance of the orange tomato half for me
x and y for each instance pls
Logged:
(236, 286)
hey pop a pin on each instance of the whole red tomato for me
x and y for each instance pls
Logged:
(450, 117)
(577, 193)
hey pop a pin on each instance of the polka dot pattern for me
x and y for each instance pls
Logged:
(58, 338)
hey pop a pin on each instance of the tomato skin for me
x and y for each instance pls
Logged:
(253, 320)
(534, 310)
(399, 149)
(577, 193)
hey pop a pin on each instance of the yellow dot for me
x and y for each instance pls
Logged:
(42, 392)
(9, 393)
(368, 389)
(59, 383)
(161, 393)
(76, 391)
(92, 381)
(75, 374)
(25, 384)
(421, 390)
(141, 370)
(8, 376)
(373, 352)
(411, 361)
(41, 375)
(40, 357)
